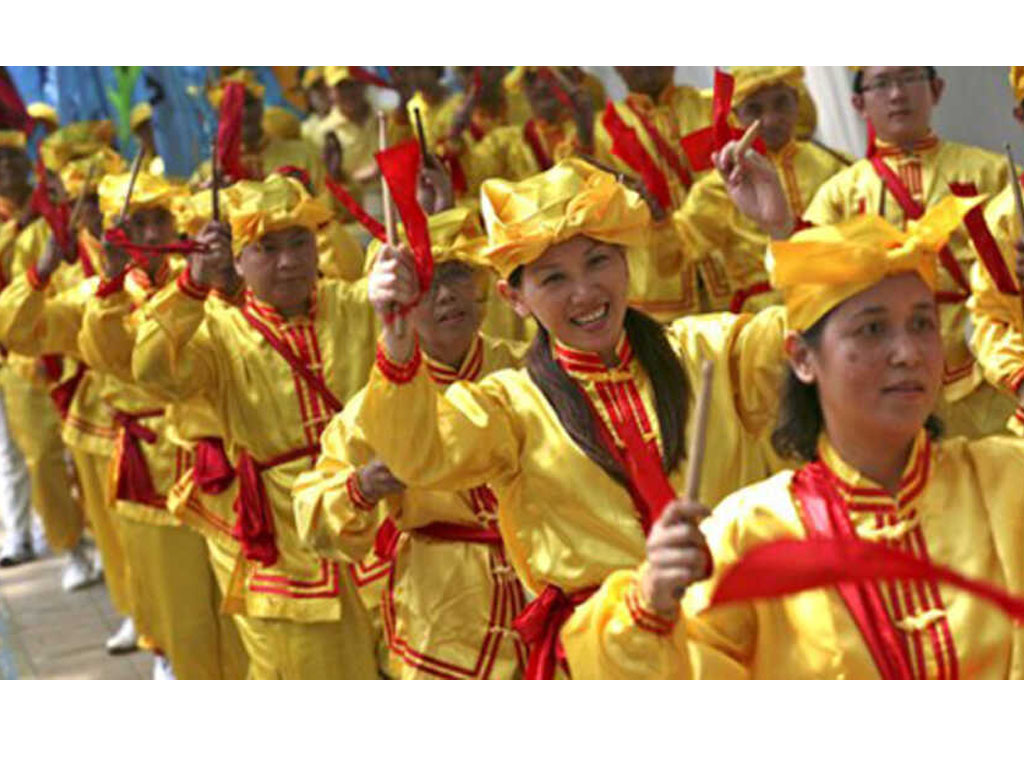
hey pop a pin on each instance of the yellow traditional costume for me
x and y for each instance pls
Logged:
(958, 505)
(450, 598)
(929, 171)
(565, 522)
(709, 224)
(306, 618)
(997, 335)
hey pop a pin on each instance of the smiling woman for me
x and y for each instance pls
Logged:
(606, 392)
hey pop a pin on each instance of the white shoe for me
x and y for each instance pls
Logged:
(125, 640)
(162, 668)
(15, 552)
(80, 570)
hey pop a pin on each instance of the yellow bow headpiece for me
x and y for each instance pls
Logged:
(525, 218)
(149, 192)
(257, 208)
(749, 80)
(76, 140)
(83, 175)
(820, 268)
(455, 235)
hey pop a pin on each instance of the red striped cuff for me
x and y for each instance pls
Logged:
(1014, 381)
(110, 287)
(37, 282)
(644, 616)
(398, 373)
(356, 496)
(190, 287)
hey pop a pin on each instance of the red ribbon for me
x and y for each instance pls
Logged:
(540, 624)
(118, 238)
(134, 481)
(700, 144)
(400, 167)
(212, 471)
(370, 224)
(63, 394)
(627, 147)
(664, 149)
(57, 215)
(986, 246)
(229, 131)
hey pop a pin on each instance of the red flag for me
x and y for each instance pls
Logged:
(370, 224)
(229, 131)
(627, 147)
(699, 145)
(400, 167)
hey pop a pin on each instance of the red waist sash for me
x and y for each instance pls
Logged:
(540, 624)
(133, 479)
(212, 471)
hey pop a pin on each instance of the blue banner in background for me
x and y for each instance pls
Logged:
(183, 119)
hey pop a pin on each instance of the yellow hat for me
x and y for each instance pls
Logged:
(749, 80)
(149, 192)
(455, 235)
(75, 140)
(44, 112)
(83, 175)
(1017, 83)
(335, 75)
(12, 139)
(280, 123)
(197, 209)
(257, 208)
(313, 75)
(244, 76)
(525, 218)
(820, 268)
(140, 113)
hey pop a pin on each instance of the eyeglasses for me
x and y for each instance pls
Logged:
(903, 79)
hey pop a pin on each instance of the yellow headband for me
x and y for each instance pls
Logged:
(312, 76)
(12, 139)
(750, 80)
(141, 112)
(149, 192)
(244, 76)
(820, 268)
(525, 218)
(75, 173)
(42, 111)
(257, 208)
(75, 140)
(1017, 84)
(455, 235)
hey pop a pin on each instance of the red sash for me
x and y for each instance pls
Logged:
(64, 393)
(540, 624)
(740, 297)
(628, 148)
(668, 154)
(986, 246)
(386, 541)
(133, 479)
(254, 528)
(532, 137)
(212, 471)
(299, 367)
(913, 210)
(823, 513)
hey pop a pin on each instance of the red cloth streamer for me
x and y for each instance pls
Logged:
(665, 149)
(986, 246)
(254, 528)
(12, 108)
(370, 224)
(540, 624)
(700, 144)
(229, 132)
(212, 471)
(400, 167)
(57, 215)
(139, 252)
(364, 75)
(134, 481)
(627, 147)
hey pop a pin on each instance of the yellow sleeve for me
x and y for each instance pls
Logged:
(997, 336)
(827, 206)
(173, 354)
(450, 441)
(32, 324)
(105, 339)
(330, 516)
(703, 220)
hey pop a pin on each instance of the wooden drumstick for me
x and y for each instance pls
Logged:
(698, 440)
(389, 215)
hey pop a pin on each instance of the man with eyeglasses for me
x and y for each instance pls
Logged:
(710, 225)
(907, 170)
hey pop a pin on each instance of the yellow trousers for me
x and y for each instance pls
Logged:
(176, 601)
(92, 480)
(35, 426)
(982, 413)
(323, 650)
(222, 562)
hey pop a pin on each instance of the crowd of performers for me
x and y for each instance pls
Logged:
(512, 381)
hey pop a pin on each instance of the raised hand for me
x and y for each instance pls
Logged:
(753, 184)
(392, 285)
(376, 481)
(677, 556)
(215, 257)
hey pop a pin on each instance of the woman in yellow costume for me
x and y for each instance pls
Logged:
(551, 440)
(865, 356)
(451, 596)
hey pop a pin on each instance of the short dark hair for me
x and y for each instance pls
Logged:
(858, 78)
(800, 418)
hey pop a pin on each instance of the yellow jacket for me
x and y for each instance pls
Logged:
(564, 521)
(710, 226)
(926, 171)
(184, 349)
(962, 508)
(448, 605)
